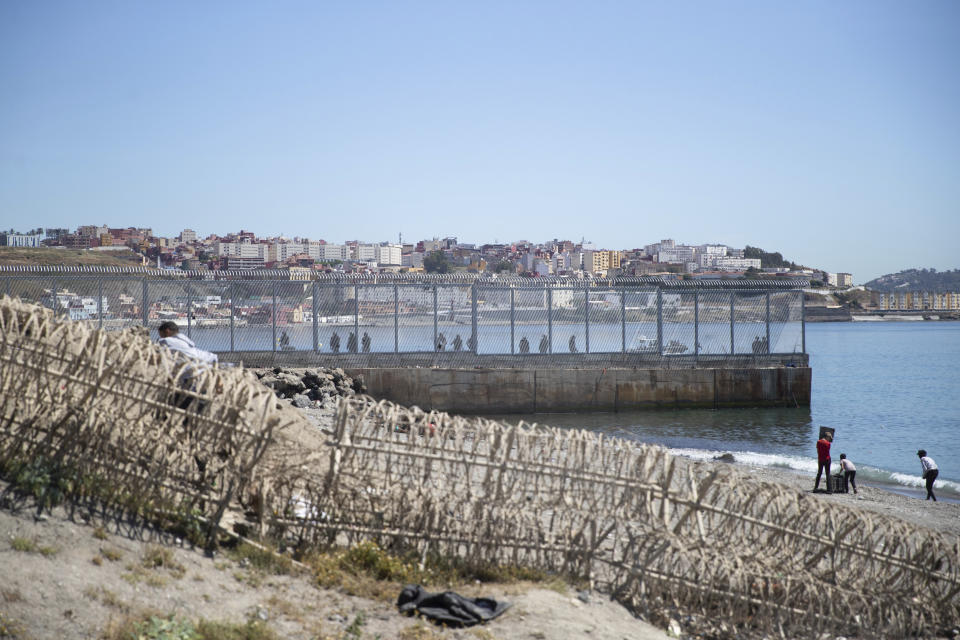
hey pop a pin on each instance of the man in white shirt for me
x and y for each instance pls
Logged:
(170, 337)
(929, 472)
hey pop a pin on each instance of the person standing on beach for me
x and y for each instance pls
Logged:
(823, 460)
(929, 472)
(849, 474)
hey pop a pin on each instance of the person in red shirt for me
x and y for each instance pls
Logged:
(823, 460)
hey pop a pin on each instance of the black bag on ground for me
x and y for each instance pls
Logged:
(448, 608)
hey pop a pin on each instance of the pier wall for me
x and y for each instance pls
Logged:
(562, 390)
(554, 384)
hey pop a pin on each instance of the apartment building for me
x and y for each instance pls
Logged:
(21, 240)
(920, 301)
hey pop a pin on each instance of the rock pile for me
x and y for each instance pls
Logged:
(306, 387)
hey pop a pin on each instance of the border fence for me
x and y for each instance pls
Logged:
(103, 417)
(246, 312)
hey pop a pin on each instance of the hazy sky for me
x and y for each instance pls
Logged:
(828, 131)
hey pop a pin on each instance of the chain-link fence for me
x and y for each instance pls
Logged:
(505, 318)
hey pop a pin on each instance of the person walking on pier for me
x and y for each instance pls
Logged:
(457, 343)
(823, 460)
(441, 342)
(930, 471)
(849, 474)
(544, 344)
(352, 342)
(365, 342)
(335, 343)
(524, 345)
(572, 343)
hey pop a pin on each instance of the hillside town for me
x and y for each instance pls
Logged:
(244, 250)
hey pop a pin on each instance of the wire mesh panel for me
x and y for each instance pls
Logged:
(679, 314)
(640, 308)
(530, 326)
(416, 319)
(714, 325)
(167, 301)
(606, 329)
(123, 304)
(454, 322)
(294, 315)
(493, 319)
(750, 323)
(210, 315)
(37, 290)
(569, 320)
(377, 314)
(253, 315)
(75, 299)
(786, 322)
(336, 317)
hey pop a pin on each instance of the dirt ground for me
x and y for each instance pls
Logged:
(66, 578)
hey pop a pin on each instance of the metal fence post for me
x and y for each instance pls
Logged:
(732, 317)
(660, 322)
(316, 320)
(274, 316)
(473, 317)
(356, 319)
(233, 312)
(623, 321)
(435, 319)
(100, 302)
(512, 320)
(768, 322)
(696, 325)
(189, 311)
(586, 319)
(396, 319)
(550, 319)
(803, 323)
(146, 300)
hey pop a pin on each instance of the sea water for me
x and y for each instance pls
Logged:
(888, 388)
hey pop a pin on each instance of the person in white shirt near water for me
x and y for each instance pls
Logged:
(849, 474)
(929, 472)
(170, 337)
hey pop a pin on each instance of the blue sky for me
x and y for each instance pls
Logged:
(828, 131)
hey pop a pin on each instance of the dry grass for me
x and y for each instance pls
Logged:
(67, 257)
(29, 545)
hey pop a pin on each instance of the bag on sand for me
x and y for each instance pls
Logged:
(448, 608)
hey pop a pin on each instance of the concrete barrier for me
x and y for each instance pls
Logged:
(546, 383)
(550, 390)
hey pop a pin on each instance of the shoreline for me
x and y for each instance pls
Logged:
(943, 515)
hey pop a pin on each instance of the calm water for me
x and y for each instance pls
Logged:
(889, 388)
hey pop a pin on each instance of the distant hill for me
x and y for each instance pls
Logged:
(917, 280)
(66, 257)
(768, 260)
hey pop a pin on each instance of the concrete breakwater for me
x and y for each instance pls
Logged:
(606, 389)
(490, 385)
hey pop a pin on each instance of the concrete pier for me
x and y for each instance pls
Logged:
(559, 390)
(597, 382)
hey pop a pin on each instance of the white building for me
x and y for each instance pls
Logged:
(733, 264)
(23, 240)
(188, 236)
(281, 251)
(390, 254)
(242, 250)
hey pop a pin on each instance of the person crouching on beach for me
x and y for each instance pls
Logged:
(929, 472)
(823, 460)
(849, 474)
